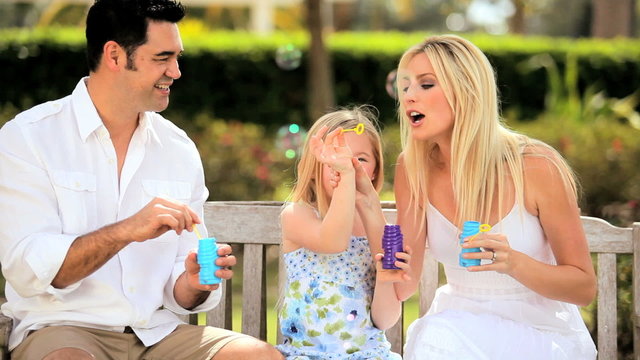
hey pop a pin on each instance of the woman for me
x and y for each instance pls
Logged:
(460, 163)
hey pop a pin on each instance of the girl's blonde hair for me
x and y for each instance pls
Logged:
(308, 187)
(484, 153)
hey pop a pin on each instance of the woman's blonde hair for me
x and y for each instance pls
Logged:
(308, 187)
(484, 153)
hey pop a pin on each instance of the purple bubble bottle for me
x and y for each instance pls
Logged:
(469, 228)
(391, 244)
(207, 255)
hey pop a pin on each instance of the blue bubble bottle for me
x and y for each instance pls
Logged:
(207, 256)
(469, 228)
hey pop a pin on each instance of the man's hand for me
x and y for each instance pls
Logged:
(225, 260)
(159, 216)
(188, 291)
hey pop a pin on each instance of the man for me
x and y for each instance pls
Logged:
(98, 197)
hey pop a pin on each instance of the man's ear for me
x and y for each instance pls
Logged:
(113, 55)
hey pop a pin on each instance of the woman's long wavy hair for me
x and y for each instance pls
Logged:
(484, 153)
(308, 187)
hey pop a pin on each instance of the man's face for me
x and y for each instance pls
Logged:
(153, 67)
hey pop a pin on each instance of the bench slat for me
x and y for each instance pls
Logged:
(428, 282)
(254, 316)
(220, 316)
(604, 237)
(394, 336)
(636, 289)
(607, 308)
(245, 224)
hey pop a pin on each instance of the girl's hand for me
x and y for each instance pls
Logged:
(364, 185)
(394, 276)
(495, 247)
(333, 150)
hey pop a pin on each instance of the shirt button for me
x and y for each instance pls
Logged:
(77, 184)
(132, 289)
(111, 161)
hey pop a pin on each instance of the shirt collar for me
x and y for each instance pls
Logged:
(145, 125)
(85, 112)
(89, 121)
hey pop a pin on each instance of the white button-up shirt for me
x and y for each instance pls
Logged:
(59, 180)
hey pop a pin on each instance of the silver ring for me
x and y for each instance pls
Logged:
(493, 257)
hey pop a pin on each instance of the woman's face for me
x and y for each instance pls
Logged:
(426, 108)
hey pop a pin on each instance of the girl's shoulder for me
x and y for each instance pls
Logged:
(299, 209)
(300, 225)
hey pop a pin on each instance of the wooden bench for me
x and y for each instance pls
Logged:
(254, 226)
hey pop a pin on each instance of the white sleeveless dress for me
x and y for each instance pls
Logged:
(488, 315)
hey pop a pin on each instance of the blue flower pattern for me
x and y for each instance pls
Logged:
(325, 314)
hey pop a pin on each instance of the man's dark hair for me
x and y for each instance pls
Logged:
(125, 22)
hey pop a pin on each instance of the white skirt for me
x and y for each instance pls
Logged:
(454, 334)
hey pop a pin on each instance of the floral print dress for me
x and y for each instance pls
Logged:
(325, 312)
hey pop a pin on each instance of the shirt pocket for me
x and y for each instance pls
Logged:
(174, 190)
(76, 193)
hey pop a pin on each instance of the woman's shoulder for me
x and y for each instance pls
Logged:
(547, 176)
(541, 158)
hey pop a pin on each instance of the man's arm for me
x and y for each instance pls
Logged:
(89, 252)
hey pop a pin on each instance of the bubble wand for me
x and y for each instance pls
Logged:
(359, 129)
(195, 230)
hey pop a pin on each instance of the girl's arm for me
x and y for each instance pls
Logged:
(412, 221)
(301, 226)
(369, 209)
(573, 278)
(386, 308)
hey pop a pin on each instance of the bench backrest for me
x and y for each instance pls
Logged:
(255, 226)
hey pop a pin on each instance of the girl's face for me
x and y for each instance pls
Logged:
(362, 149)
(426, 108)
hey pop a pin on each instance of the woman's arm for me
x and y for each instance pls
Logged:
(411, 218)
(573, 279)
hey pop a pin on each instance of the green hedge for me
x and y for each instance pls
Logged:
(233, 75)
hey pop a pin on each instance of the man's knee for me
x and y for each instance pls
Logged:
(69, 354)
(248, 348)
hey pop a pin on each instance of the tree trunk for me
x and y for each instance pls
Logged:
(516, 22)
(612, 18)
(320, 75)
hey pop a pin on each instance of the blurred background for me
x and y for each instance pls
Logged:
(257, 73)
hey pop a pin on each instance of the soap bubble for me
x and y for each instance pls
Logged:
(288, 57)
(390, 86)
(289, 139)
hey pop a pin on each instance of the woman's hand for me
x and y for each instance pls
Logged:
(495, 247)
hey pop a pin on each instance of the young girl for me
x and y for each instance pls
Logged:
(335, 305)
(460, 163)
